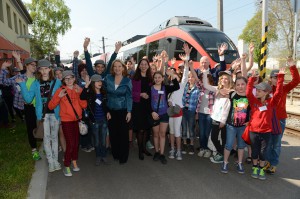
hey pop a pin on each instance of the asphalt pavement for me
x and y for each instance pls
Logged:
(193, 177)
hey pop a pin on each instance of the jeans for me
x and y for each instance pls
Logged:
(51, 126)
(232, 133)
(205, 128)
(99, 130)
(188, 122)
(274, 146)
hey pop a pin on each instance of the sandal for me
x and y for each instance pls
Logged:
(249, 160)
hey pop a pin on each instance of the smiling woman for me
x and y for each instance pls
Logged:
(119, 89)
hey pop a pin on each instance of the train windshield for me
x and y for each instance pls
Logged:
(210, 42)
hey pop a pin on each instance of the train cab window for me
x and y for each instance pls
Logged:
(210, 41)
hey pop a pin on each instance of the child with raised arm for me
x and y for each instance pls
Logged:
(261, 119)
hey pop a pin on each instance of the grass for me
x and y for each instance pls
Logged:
(16, 163)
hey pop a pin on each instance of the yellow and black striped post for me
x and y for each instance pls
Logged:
(264, 36)
(263, 53)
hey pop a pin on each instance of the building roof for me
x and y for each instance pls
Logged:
(20, 5)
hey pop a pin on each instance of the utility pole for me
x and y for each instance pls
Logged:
(220, 15)
(103, 45)
(264, 34)
(295, 29)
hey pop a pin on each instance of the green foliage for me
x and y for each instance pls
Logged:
(16, 163)
(50, 19)
(252, 32)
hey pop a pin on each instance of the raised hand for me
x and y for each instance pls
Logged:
(236, 63)
(86, 42)
(186, 49)
(282, 70)
(16, 55)
(222, 49)
(191, 65)
(290, 62)
(173, 60)
(118, 45)
(5, 65)
(62, 93)
(164, 55)
(183, 57)
(87, 81)
(244, 56)
(76, 53)
(170, 72)
(251, 48)
(57, 52)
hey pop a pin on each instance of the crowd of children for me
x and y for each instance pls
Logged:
(153, 98)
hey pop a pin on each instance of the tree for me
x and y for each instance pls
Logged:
(281, 29)
(50, 19)
(252, 32)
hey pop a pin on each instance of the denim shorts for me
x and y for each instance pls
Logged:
(233, 133)
(164, 118)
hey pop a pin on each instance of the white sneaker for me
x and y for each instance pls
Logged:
(57, 166)
(178, 155)
(172, 154)
(207, 153)
(51, 167)
(201, 152)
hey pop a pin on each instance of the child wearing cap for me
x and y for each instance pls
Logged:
(274, 145)
(95, 95)
(261, 120)
(69, 121)
(40, 90)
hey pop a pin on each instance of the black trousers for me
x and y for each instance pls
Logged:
(259, 143)
(215, 130)
(30, 119)
(9, 103)
(119, 136)
(3, 113)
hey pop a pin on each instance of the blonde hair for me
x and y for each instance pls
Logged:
(124, 74)
(231, 84)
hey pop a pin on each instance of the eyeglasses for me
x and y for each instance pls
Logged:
(32, 64)
(70, 78)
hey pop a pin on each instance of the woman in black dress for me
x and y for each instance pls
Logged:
(141, 87)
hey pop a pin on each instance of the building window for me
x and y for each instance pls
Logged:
(20, 25)
(24, 29)
(1, 11)
(16, 23)
(8, 16)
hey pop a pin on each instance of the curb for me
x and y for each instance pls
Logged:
(38, 183)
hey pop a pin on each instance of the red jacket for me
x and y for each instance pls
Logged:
(66, 112)
(281, 107)
(261, 121)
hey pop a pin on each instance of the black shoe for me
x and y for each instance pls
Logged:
(156, 156)
(141, 156)
(147, 153)
(163, 159)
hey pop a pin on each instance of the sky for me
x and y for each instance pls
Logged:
(118, 20)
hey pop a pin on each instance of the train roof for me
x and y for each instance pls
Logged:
(182, 21)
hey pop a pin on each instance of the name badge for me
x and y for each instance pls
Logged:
(98, 101)
(18, 88)
(263, 108)
(83, 83)
(206, 110)
(161, 92)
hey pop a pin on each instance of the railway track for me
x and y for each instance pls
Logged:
(292, 130)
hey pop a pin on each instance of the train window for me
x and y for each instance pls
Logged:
(142, 51)
(195, 55)
(153, 49)
(210, 41)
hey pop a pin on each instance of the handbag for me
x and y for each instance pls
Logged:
(83, 128)
(152, 122)
(38, 132)
(246, 135)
